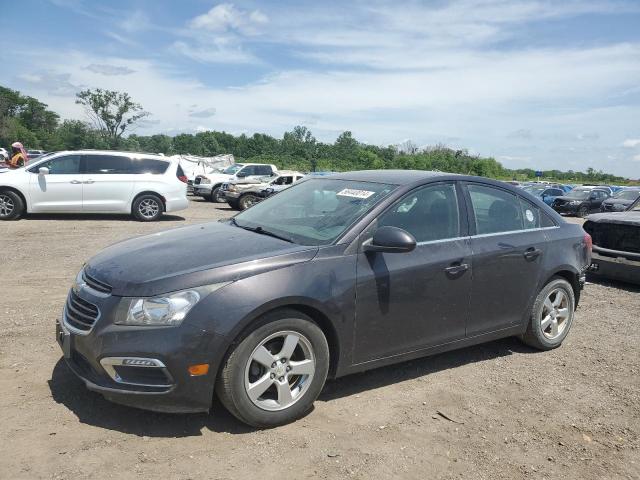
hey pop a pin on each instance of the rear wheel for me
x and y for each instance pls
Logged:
(551, 316)
(11, 205)
(275, 373)
(147, 208)
(248, 200)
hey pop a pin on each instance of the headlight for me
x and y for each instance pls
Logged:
(232, 188)
(618, 206)
(205, 180)
(168, 309)
(575, 202)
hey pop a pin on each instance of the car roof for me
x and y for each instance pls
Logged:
(116, 153)
(394, 177)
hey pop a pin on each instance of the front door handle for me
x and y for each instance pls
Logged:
(75, 182)
(532, 253)
(89, 181)
(456, 268)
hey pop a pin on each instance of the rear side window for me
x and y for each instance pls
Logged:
(531, 215)
(429, 213)
(495, 210)
(107, 164)
(149, 165)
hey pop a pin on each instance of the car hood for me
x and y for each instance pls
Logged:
(570, 199)
(622, 218)
(614, 201)
(189, 257)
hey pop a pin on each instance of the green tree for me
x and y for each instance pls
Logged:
(111, 112)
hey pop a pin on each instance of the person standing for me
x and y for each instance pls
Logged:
(19, 157)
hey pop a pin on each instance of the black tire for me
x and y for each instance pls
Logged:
(11, 205)
(233, 203)
(147, 208)
(583, 211)
(215, 195)
(237, 366)
(538, 337)
(248, 200)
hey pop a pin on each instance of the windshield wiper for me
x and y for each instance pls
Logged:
(261, 231)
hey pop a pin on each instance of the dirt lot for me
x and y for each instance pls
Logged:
(572, 413)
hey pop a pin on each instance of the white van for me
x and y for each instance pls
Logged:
(92, 181)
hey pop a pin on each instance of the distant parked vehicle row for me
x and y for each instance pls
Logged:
(621, 200)
(241, 195)
(142, 185)
(581, 201)
(209, 186)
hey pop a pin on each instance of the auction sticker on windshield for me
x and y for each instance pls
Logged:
(349, 192)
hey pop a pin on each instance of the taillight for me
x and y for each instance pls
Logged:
(588, 242)
(182, 178)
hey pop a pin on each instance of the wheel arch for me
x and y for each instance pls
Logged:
(316, 314)
(149, 192)
(571, 276)
(17, 191)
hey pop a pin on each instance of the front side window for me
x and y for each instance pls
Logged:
(107, 164)
(495, 210)
(263, 170)
(429, 213)
(66, 165)
(315, 212)
(247, 171)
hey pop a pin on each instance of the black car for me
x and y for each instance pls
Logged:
(332, 276)
(581, 201)
(616, 244)
(621, 201)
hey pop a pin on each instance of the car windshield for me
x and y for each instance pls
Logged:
(316, 211)
(579, 193)
(232, 169)
(627, 195)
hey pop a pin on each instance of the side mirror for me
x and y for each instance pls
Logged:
(390, 240)
(43, 171)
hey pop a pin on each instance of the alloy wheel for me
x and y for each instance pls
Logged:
(279, 371)
(148, 208)
(555, 314)
(6, 205)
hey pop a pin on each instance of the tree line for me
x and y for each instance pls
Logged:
(111, 114)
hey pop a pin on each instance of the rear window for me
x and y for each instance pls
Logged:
(149, 165)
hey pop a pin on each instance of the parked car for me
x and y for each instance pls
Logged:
(4, 154)
(616, 244)
(242, 195)
(210, 186)
(581, 201)
(547, 194)
(621, 200)
(332, 276)
(93, 181)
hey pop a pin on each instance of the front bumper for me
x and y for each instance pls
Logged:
(566, 209)
(202, 190)
(231, 195)
(614, 267)
(170, 389)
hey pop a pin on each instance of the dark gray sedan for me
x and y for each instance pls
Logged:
(333, 276)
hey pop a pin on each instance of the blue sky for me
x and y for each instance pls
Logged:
(539, 84)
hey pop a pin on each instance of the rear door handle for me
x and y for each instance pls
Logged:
(456, 269)
(75, 182)
(532, 253)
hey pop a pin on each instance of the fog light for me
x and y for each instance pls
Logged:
(198, 370)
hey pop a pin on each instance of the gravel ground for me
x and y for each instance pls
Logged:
(499, 410)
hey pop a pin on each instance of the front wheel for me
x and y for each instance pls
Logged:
(248, 200)
(11, 205)
(275, 373)
(217, 195)
(147, 208)
(551, 316)
(583, 211)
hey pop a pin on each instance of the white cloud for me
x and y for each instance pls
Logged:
(135, 22)
(216, 51)
(631, 143)
(106, 69)
(226, 16)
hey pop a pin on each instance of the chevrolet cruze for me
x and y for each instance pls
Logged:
(332, 276)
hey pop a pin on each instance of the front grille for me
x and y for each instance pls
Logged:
(80, 314)
(614, 236)
(96, 285)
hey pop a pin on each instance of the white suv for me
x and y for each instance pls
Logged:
(92, 181)
(210, 186)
